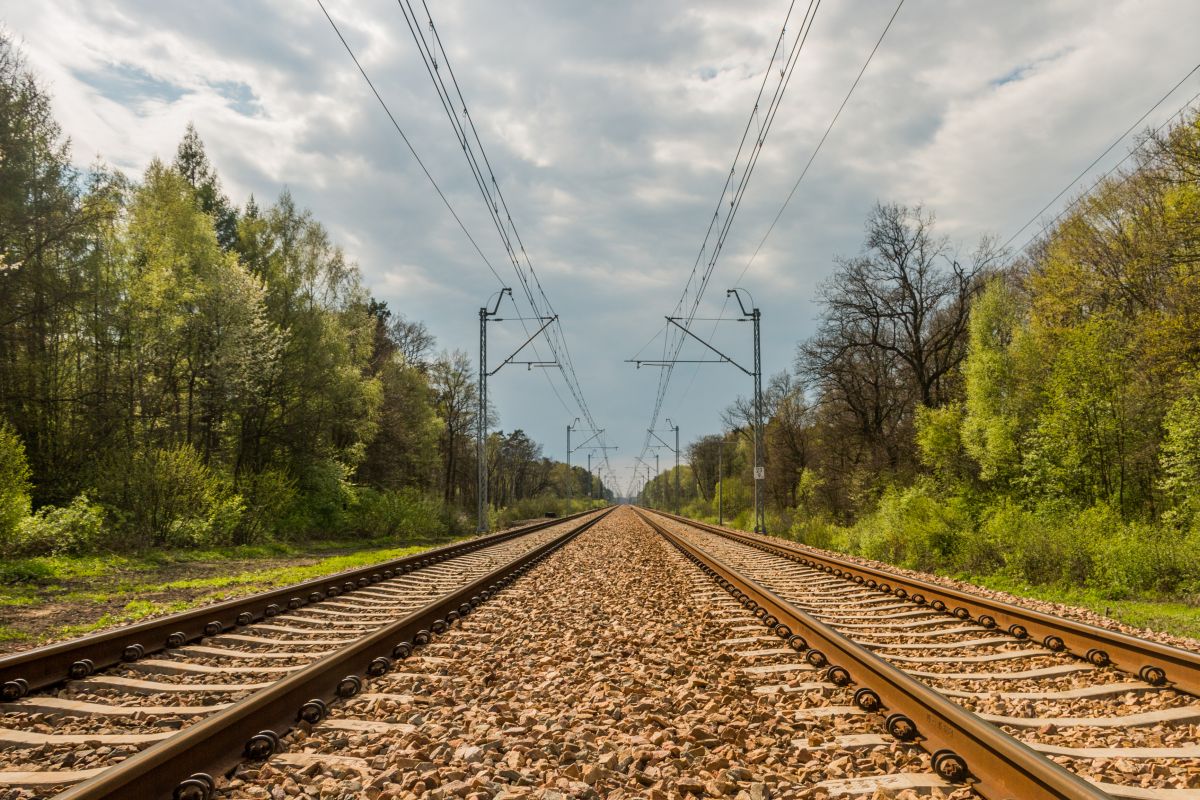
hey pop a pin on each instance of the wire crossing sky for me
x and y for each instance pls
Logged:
(610, 130)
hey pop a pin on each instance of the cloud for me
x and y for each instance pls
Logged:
(611, 128)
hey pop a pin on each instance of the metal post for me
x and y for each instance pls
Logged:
(721, 482)
(589, 474)
(676, 467)
(481, 427)
(570, 477)
(481, 499)
(760, 472)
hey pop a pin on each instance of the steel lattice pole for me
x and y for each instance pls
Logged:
(481, 426)
(760, 522)
(676, 469)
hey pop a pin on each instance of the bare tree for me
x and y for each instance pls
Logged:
(906, 296)
(413, 340)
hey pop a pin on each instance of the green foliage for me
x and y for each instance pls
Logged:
(74, 529)
(170, 497)
(403, 515)
(535, 508)
(938, 439)
(267, 495)
(14, 484)
(991, 420)
(1181, 449)
(912, 527)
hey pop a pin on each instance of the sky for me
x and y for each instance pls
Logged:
(611, 128)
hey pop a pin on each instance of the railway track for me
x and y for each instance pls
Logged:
(599, 677)
(1021, 703)
(156, 709)
(696, 662)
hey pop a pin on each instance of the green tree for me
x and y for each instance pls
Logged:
(14, 483)
(191, 161)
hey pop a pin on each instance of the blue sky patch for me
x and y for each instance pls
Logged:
(127, 84)
(240, 96)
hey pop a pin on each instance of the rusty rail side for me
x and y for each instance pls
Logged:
(173, 768)
(963, 746)
(1157, 664)
(46, 666)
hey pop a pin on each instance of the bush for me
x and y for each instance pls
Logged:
(323, 502)
(14, 484)
(404, 515)
(816, 532)
(170, 497)
(538, 508)
(71, 530)
(913, 528)
(267, 496)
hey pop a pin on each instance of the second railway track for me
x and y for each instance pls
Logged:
(73, 712)
(1128, 735)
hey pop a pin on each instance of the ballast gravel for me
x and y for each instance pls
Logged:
(614, 669)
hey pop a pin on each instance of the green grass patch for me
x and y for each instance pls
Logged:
(1169, 615)
(44, 570)
(10, 634)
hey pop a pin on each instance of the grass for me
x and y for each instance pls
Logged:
(11, 634)
(152, 584)
(1167, 615)
(44, 569)
(1179, 616)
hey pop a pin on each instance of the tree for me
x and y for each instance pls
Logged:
(14, 482)
(455, 400)
(907, 297)
(191, 161)
(413, 341)
(995, 419)
(704, 456)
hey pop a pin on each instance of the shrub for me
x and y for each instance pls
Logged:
(267, 495)
(323, 503)
(984, 548)
(170, 497)
(815, 532)
(912, 527)
(14, 484)
(70, 530)
(538, 508)
(404, 515)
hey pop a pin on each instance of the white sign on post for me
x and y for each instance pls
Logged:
(760, 473)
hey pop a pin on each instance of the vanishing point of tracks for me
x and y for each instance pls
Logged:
(606, 655)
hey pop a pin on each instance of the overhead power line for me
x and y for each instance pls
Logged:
(795, 186)
(450, 94)
(821, 143)
(565, 357)
(732, 194)
(407, 143)
(1098, 158)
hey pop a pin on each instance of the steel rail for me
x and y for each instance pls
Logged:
(46, 666)
(963, 747)
(182, 766)
(1158, 664)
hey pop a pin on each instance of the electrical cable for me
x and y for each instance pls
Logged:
(407, 143)
(821, 143)
(695, 286)
(1096, 161)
